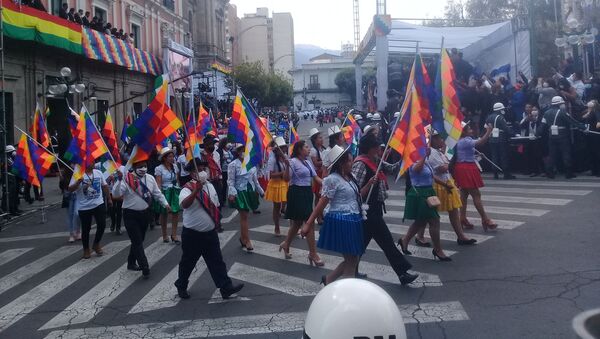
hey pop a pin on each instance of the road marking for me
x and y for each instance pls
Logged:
(284, 283)
(23, 305)
(374, 271)
(229, 218)
(513, 199)
(11, 280)
(444, 235)
(164, 294)
(517, 190)
(98, 297)
(530, 212)
(216, 298)
(12, 254)
(504, 224)
(36, 236)
(249, 325)
(546, 183)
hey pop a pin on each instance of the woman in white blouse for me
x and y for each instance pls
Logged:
(167, 178)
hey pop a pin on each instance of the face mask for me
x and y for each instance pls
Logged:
(563, 106)
(545, 84)
(141, 171)
(202, 177)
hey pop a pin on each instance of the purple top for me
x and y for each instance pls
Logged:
(465, 150)
(301, 172)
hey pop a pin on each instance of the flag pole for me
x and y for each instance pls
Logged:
(44, 148)
(346, 119)
(100, 134)
(178, 111)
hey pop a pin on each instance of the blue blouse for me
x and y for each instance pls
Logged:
(465, 150)
(423, 178)
(343, 195)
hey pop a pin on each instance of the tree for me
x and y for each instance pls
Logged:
(268, 89)
(346, 81)
(280, 91)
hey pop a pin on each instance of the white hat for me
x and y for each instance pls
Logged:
(463, 124)
(9, 149)
(357, 117)
(369, 115)
(312, 132)
(376, 116)
(237, 145)
(334, 154)
(397, 114)
(354, 308)
(367, 128)
(164, 151)
(280, 142)
(498, 106)
(557, 100)
(333, 130)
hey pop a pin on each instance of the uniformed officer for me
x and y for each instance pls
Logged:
(557, 123)
(499, 140)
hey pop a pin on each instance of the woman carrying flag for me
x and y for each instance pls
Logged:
(316, 154)
(167, 177)
(277, 187)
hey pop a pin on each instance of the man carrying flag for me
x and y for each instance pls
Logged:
(40, 133)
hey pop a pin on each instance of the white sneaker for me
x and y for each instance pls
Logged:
(71, 239)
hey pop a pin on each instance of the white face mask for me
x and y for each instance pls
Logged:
(202, 177)
(141, 171)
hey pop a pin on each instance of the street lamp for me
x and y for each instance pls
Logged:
(66, 85)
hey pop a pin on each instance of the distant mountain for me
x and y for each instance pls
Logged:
(303, 53)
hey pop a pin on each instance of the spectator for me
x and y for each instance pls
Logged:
(131, 38)
(107, 28)
(94, 23)
(86, 19)
(577, 83)
(530, 124)
(37, 4)
(71, 15)
(114, 32)
(77, 18)
(121, 34)
(546, 91)
(592, 117)
(63, 13)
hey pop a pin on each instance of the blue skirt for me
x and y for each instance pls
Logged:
(342, 233)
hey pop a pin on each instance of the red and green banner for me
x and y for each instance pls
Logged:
(26, 23)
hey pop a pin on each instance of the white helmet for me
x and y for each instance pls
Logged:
(498, 106)
(369, 115)
(376, 117)
(357, 117)
(557, 100)
(353, 308)
(396, 115)
(9, 149)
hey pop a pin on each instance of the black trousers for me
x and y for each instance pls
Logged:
(560, 148)
(116, 214)
(533, 157)
(99, 214)
(136, 224)
(37, 192)
(500, 157)
(593, 146)
(376, 228)
(196, 244)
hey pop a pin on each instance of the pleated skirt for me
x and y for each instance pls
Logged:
(299, 203)
(342, 233)
(245, 200)
(449, 200)
(277, 190)
(467, 175)
(416, 207)
(172, 196)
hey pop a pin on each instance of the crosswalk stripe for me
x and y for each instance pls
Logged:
(489, 209)
(98, 297)
(23, 305)
(444, 235)
(516, 190)
(216, 298)
(417, 252)
(12, 254)
(503, 224)
(547, 183)
(274, 280)
(525, 200)
(11, 280)
(374, 271)
(35, 236)
(251, 324)
(163, 294)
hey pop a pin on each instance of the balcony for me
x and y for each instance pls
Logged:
(314, 86)
(170, 4)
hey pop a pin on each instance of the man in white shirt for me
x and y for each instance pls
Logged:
(201, 218)
(137, 190)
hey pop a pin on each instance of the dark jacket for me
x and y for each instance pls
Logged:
(562, 119)
(497, 120)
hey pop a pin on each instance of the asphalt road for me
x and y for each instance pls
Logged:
(527, 280)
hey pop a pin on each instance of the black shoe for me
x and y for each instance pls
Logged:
(133, 267)
(466, 242)
(112, 228)
(182, 292)
(532, 175)
(404, 251)
(509, 177)
(422, 243)
(323, 280)
(406, 278)
(145, 273)
(228, 291)
(118, 232)
(220, 229)
(550, 176)
(435, 255)
(361, 275)
(256, 212)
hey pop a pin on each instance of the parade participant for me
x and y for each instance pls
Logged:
(12, 190)
(317, 153)
(335, 138)
(70, 203)
(166, 175)
(224, 151)
(90, 190)
(116, 211)
(592, 117)
(557, 122)
(445, 189)
(138, 189)
(214, 161)
(242, 196)
(184, 176)
(421, 209)
(467, 175)
(277, 187)
(342, 230)
(499, 140)
(301, 174)
(201, 217)
(364, 170)
(532, 149)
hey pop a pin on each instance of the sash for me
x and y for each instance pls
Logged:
(209, 207)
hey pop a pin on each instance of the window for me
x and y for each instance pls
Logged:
(170, 4)
(100, 13)
(314, 82)
(9, 118)
(135, 29)
(102, 109)
(55, 6)
(137, 109)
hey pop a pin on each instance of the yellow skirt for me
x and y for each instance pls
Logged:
(277, 190)
(449, 200)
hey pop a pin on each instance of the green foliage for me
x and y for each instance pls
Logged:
(270, 89)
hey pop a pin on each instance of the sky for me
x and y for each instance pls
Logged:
(329, 23)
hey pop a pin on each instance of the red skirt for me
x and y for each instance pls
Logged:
(316, 188)
(467, 175)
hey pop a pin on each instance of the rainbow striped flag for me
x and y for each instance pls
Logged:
(191, 143)
(73, 119)
(245, 127)
(32, 163)
(86, 146)
(126, 124)
(350, 129)
(38, 127)
(447, 117)
(204, 121)
(109, 165)
(293, 139)
(409, 137)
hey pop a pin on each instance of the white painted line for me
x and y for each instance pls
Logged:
(12, 254)
(98, 297)
(525, 200)
(374, 271)
(444, 235)
(23, 305)
(503, 224)
(284, 283)
(164, 294)
(249, 325)
(216, 298)
(36, 236)
(545, 183)
(229, 218)
(531, 212)
(11, 280)
(518, 191)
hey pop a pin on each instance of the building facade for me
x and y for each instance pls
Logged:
(268, 40)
